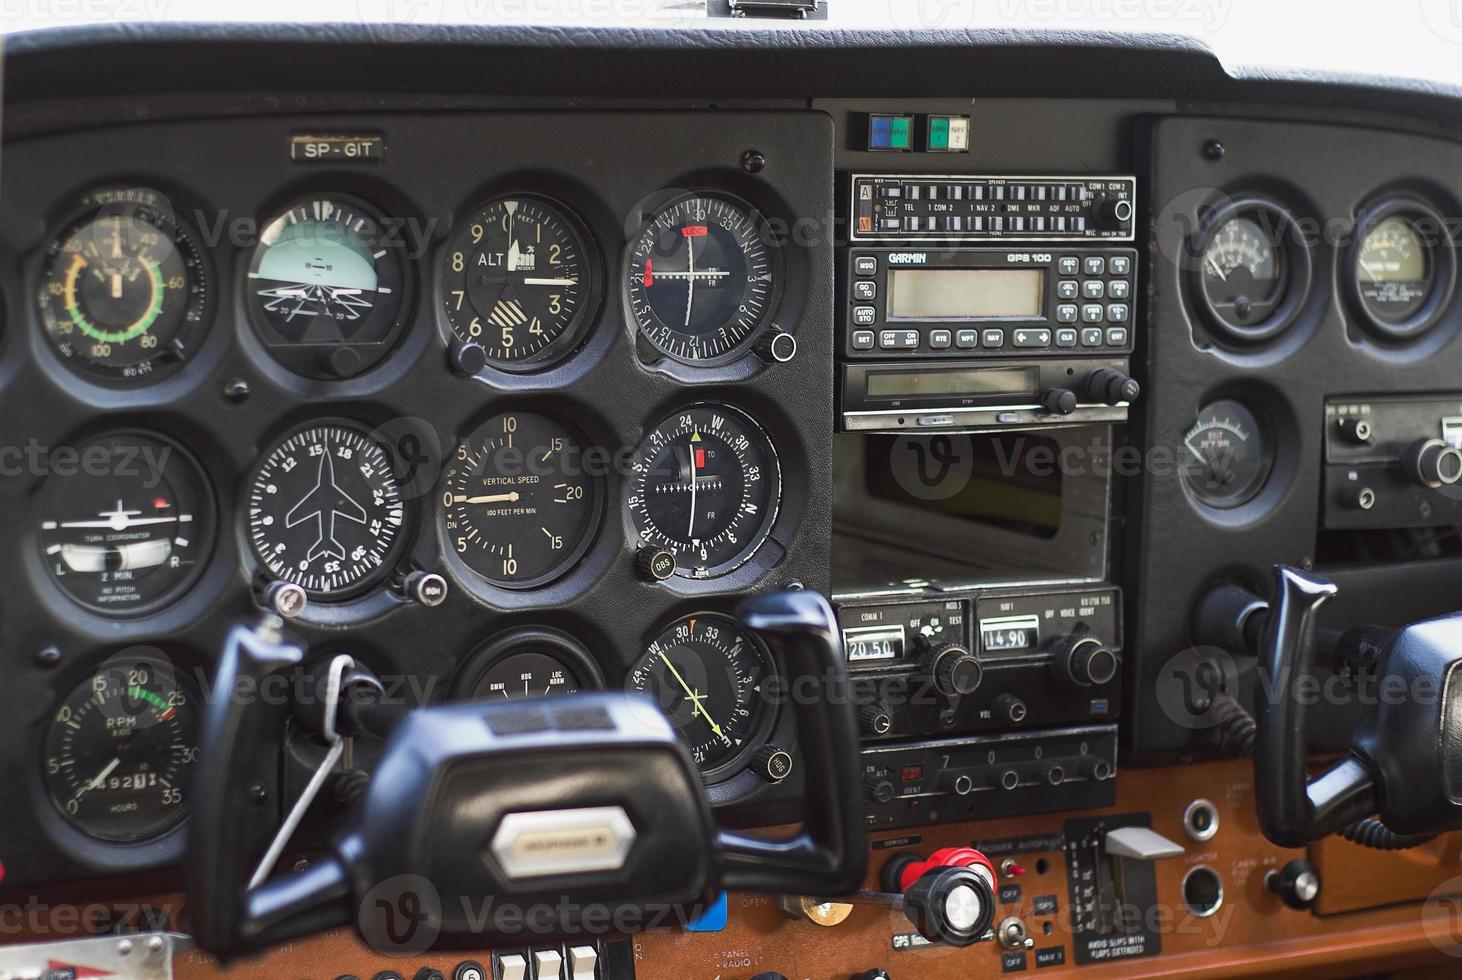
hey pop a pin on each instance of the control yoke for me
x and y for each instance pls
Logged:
(1405, 758)
(586, 806)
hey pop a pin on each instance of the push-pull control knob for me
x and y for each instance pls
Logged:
(953, 669)
(1297, 884)
(949, 898)
(1433, 463)
(1084, 660)
(1111, 387)
(1059, 401)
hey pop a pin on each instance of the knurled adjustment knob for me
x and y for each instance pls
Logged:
(1085, 660)
(1059, 401)
(1434, 463)
(950, 898)
(874, 719)
(953, 669)
(655, 564)
(1111, 387)
(772, 763)
(879, 790)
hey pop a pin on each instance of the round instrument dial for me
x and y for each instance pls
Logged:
(1243, 270)
(519, 508)
(527, 663)
(327, 287)
(706, 674)
(120, 750)
(325, 511)
(125, 288)
(702, 277)
(1228, 457)
(1403, 268)
(706, 484)
(126, 530)
(519, 279)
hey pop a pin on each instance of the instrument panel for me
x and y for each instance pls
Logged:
(496, 418)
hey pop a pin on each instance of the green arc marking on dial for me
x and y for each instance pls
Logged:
(142, 694)
(134, 329)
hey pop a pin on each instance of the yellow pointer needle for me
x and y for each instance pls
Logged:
(693, 699)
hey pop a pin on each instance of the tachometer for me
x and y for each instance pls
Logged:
(706, 673)
(324, 510)
(120, 751)
(125, 531)
(702, 278)
(327, 287)
(519, 279)
(125, 289)
(706, 486)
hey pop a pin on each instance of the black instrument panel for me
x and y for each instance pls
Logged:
(283, 368)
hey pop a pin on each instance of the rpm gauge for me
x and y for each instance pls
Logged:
(520, 280)
(327, 286)
(702, 278)
(324, 510)
(120, 751)
(125, 288)
(706, 674)
(1403, 268)
(127, 530)
(706, 485)
(519, 507)
(1228, 457)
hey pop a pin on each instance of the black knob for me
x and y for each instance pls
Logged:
(878, 790)
(1111, 387)
(954, 670)
(1010, 707)
(773, 975)
(775, 346)
(429, 973)
(772, 763)
(1059, 401)
(877, 973)
(1358, 496)
(1433, 463)
(467, 359)
(950, 905)
(655, 564)
(1355, 429)
(427, 588)
(956, 783)
(1297, 884)
(1051, 773)
(874, 719)
(1111, 213)
(1084, 659)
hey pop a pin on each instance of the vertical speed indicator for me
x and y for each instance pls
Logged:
(702, 278)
